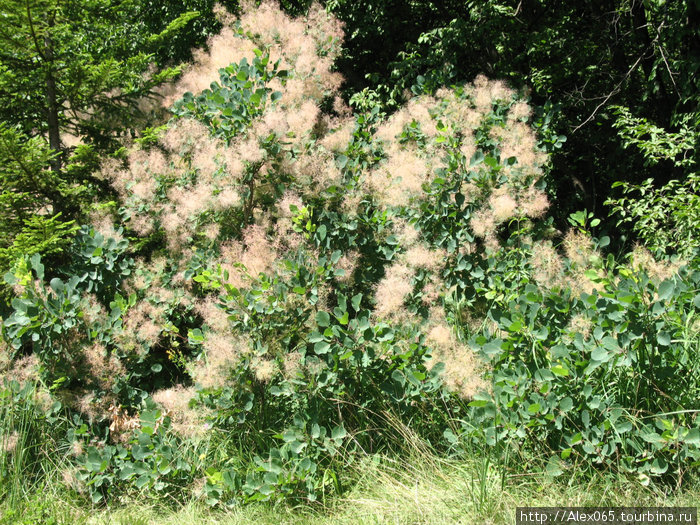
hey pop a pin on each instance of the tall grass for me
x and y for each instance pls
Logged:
(414, 485)
(31, 457)
(417, 489)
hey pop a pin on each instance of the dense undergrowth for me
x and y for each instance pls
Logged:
(285, 290)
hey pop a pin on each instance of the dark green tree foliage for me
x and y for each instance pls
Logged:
(66, 68)
(378, 31)
(664, 218)
(76, 67)
(31, 199)
(154, 17)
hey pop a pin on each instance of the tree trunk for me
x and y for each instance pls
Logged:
(51, 100)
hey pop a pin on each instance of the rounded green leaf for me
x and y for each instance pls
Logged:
(664, 338)
(323, 318)
(338, 432)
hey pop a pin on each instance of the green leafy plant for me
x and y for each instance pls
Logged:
(151, 460)
(605, 379)
(230, 106)
(664, 218)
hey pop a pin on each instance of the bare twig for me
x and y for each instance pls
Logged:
(613, 92)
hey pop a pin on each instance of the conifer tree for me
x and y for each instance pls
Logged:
(71, 76)
(75, 66)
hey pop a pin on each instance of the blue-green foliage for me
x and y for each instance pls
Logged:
(616, 390)
(228, 107)
(100, 263)
(354, 370)
(49, 317)
(151, 459)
